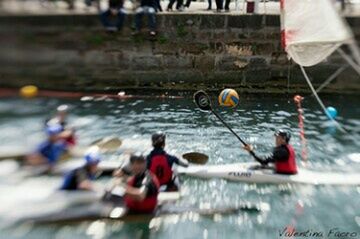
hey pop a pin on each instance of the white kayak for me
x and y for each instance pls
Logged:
(12, 172)
(252, 173)
(76, 207)
(107, 166)
(70, 205)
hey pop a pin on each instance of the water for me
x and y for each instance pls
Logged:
(314, 208)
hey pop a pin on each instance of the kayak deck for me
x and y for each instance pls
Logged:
(100, 210)
(76, 205)
(82, 206)
(250, 173)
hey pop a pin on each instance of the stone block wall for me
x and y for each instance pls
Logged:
(191, 51)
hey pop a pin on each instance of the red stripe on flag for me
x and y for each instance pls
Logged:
(282, 4)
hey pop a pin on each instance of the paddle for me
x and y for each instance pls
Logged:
(202, 100)
(106, 145)
(196, 158)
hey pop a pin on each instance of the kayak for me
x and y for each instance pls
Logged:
(71, 206)
(57, 206)
(12, 160)
(103, 209)
(13, 153)
(108, 144)
(252, 173)
(106, 167)
(17, 172)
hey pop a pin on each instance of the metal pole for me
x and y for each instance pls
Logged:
(331, 78)
(349, 60)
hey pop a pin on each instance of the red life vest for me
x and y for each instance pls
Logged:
(71, 140)
(288, 166)
(147, 205)
(159, 165)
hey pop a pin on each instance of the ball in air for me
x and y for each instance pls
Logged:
(229, 98)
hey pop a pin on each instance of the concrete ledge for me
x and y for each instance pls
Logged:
(191, 51)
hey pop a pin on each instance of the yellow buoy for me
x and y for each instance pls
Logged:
(29, 91)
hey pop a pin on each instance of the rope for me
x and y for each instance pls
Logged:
(304, 153)
(319, 100)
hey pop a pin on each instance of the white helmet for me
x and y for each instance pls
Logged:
(62, 108)
(92, 156)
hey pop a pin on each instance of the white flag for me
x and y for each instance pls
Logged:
(313, 30)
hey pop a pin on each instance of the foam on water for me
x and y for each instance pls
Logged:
(188, 129)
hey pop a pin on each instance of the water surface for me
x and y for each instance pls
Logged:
(317, 208)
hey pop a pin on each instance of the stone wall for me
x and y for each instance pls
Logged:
(191, 51)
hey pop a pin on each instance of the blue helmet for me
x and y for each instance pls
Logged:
(53, 129)
(92, 157)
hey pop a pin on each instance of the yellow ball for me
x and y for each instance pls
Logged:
(228, 98)
(29, 91)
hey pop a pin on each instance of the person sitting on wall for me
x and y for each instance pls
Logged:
(179, 5)
(187, 3)
(158, 6)
(93, 3)
(219, 5)
(71, 4)
(116, 9)
(146, 7)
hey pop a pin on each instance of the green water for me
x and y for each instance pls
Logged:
(315, 208)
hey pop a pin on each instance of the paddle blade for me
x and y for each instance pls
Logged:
(108, 144)
(196, 158)
(202, 100)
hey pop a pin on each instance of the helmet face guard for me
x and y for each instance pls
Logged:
(284, 134)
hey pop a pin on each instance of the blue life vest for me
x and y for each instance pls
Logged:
(52, 151)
